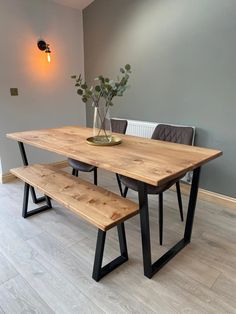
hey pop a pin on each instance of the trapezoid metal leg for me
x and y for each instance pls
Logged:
(25, 212)
(100, 271)
(35, 199)
(149, 268)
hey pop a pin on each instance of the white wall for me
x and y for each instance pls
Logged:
(47, 97)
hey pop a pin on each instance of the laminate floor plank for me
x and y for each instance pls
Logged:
(17, 296)
(72, 268)
(50, 284)
(53, 252)
(7, 271)
(225, 286)
(126, 280)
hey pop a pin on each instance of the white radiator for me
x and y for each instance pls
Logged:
(140, 128)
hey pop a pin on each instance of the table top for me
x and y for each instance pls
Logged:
(151, 161)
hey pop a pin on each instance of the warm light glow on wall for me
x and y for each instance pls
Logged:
(43, 46)
(35, 63)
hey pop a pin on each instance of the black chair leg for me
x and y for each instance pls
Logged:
(161, 218)
(95, 176)
(179, 200)
(75, 172)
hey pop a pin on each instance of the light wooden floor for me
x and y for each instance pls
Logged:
(46, 261)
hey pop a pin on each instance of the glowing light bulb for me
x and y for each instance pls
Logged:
(48, 51)
(48, 57)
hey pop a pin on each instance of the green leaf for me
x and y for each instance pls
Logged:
(106, 89)
(127, 67)
(79, 92)
(97, 88)
(84, 86)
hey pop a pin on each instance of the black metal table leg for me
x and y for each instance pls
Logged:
(145, 229)
(178, 191)
(98, 270)
(192, 205)
(151, 268)
(35, 199)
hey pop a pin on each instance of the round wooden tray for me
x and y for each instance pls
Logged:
(114, 141)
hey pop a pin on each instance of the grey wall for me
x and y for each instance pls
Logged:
(47, 97)
(183, 54)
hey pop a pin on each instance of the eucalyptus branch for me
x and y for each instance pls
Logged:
(105, 88)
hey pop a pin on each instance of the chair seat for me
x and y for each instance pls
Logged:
(80, 166)
(151, 189)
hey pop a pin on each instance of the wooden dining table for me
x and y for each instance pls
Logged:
(148, 161)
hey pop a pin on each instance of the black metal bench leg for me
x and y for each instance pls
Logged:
(25, 212)
(99, 271)
(48, 201)
(25, 200)
(99, 255)
(122, 240)
(35, 199)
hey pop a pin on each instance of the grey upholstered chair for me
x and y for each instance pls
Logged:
(117, 126)
(175, 134)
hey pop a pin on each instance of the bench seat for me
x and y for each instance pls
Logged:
(94, 204)
(98, 206)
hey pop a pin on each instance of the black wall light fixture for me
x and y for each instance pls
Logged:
(43, 46)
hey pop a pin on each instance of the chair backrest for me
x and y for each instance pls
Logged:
(119, 126)
(175, 134)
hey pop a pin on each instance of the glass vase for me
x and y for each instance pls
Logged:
(102, 133)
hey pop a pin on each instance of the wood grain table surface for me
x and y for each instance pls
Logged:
(151, 161)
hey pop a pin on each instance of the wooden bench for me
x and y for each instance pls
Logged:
(96, 205)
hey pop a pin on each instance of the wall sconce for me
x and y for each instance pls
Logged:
(43, 46)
